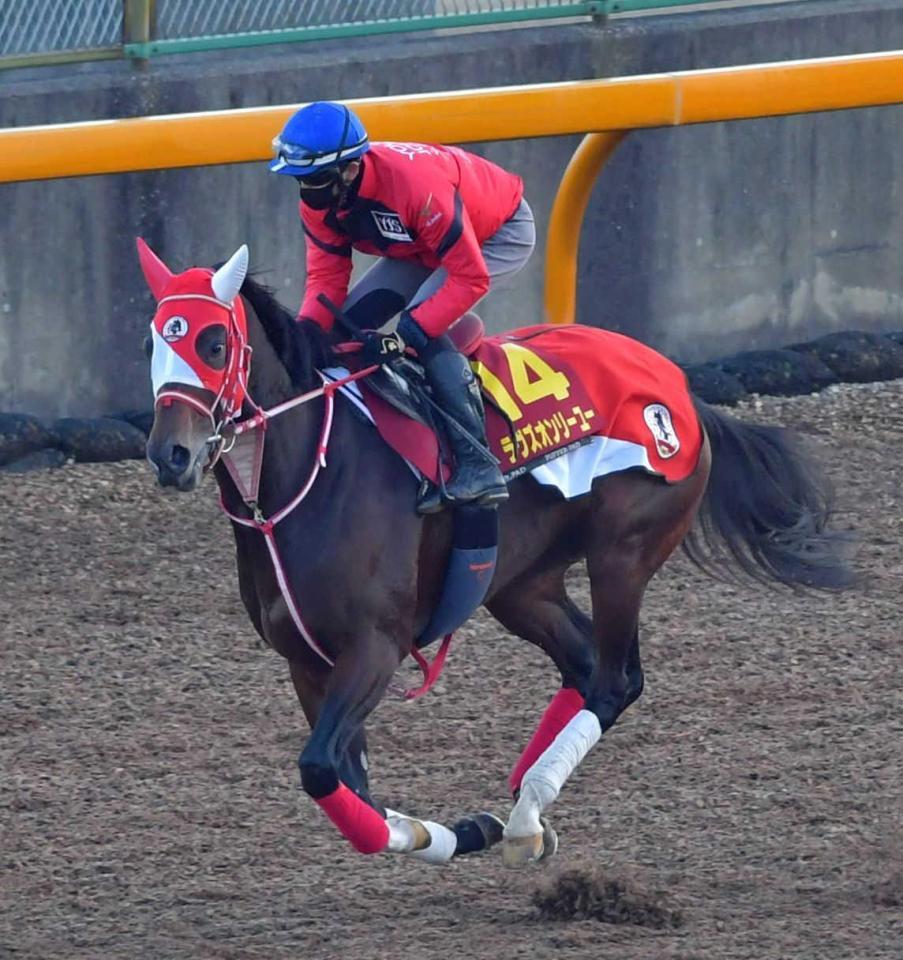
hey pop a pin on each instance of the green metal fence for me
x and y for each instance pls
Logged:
(51, 31)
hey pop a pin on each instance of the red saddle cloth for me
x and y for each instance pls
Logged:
(549, 388)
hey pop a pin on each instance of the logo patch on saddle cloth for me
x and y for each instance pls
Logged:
(658, 420)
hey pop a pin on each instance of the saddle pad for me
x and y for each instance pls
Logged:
(551, 387)
(567, 404)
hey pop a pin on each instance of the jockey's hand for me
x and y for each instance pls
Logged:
(381, 347)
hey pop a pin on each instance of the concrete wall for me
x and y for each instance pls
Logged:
(711, 239)
(701, 240)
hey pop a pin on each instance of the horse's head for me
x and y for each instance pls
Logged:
(199, 357)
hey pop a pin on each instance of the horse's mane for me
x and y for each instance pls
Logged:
(302, 347)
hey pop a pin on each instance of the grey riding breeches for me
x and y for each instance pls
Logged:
(505, 253)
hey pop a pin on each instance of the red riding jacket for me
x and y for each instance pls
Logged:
(432, 204)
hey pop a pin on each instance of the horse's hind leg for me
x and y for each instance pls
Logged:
(635, 523)
(538, 609)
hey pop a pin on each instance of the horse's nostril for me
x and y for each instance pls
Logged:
(179, 458)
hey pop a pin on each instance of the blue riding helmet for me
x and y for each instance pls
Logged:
(319, 135)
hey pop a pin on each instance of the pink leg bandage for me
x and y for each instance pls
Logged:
(357, 821)
(564, 706)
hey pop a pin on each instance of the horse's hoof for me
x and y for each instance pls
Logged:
(549, 840)
(477, 833)
(520, 851)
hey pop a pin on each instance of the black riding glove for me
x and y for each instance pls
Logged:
(380, 348)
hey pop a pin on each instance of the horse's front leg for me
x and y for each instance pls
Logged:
(352, 690)
(333, 764)
(310, 686)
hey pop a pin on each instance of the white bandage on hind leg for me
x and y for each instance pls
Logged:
(542, 783)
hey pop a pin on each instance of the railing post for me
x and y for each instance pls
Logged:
(137, 26)
(598, 10)
(566, 219)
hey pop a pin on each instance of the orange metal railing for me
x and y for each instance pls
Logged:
(605, 108)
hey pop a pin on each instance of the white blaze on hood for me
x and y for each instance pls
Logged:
(168, 367)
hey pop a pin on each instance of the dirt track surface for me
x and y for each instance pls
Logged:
(149, 805)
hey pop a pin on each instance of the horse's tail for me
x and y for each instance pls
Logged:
(765, 510)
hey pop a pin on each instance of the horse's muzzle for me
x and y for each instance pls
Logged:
(175, 466)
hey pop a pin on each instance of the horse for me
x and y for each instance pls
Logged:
(339, 574)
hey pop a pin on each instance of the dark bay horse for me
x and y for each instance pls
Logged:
(339, 574)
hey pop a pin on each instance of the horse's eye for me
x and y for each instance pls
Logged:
(147, 346)
(211, 346)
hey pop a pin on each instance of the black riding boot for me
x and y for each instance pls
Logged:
(476, 478)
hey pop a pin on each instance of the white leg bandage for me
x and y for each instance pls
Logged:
(543, 781)
(442, 846)
(404, 834)
(401, 833)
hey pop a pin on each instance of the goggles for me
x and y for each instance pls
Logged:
(318, 180)
(299, 157)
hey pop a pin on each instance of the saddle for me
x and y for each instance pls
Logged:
(571, 403)
(402, 387)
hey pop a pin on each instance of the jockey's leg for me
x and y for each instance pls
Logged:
(509, 248)
(476, 477)
(390, 285)
(383, 292)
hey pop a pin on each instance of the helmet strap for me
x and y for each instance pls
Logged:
(348, 189)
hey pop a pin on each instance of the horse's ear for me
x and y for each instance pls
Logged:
(155, 270)
(227, 281)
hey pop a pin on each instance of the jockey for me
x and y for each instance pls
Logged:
(447, 225)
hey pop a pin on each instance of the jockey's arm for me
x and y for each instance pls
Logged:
(328, 270)
(445, 225)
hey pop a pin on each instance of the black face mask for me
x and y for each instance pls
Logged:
(320, 191)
